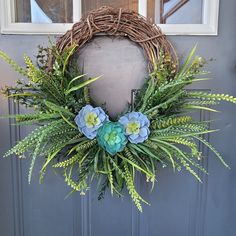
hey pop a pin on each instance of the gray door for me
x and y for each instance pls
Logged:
(179, 205)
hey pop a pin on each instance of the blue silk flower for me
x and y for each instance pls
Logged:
(90, 119)
(136, 126)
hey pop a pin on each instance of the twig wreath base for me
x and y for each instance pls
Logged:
(75, 135)
(119, 22)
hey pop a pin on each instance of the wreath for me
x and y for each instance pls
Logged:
(76, 135)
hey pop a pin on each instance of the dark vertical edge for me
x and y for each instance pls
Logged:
(14, 203)
(140, 224)
(201, 187)
(196, 225)
(132, 99)
(143, 223)
(20, 179)
(76, 216)
(16, 172)
(135, 215)
(204, 186)
(86, 214)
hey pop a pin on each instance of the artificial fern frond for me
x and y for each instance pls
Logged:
(68, 162)
(137, 199)
(186, 142)
(213, 150)
(29, 141)
(117, 167)
(13, 64)
(129, 156)
(33, 73)
(181, 157)
(34, 156)
(110, 176)
(134, 157)
(195, 163)
(165, 104)
(52, 155)
(86, 95)
(149, 174)
(27, 119)
(211, 96)
(145, 150)
(86, 164)
(164, 123)
(59, 109)
(165, 150)
(188, 168)
(80, 186)
(201, 102)
(149, 90)
(87, 145)
(159, 135)
(193, 126)
(186, 63)
(67, 54)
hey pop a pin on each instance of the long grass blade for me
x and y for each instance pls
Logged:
(77, 87)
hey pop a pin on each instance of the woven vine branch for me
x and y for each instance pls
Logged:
(119, 22)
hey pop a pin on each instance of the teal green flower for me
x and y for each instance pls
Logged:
(111, 137)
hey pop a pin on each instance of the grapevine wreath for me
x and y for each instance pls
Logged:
(78, 136)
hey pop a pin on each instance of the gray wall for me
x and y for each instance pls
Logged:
(180, 206)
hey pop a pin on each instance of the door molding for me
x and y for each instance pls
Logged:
(16, 173)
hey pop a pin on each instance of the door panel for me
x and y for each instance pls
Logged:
(42, 210)
(179, 205)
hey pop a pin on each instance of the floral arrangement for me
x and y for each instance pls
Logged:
(76, 135)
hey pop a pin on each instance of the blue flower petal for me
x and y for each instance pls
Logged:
(88, 133)
(90, 130)
(138, 140)
(124, 120)
(133, 136)
(102, 117)
(88, 108)
(133, 115)
(143, 131)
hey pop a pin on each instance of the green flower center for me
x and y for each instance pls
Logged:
(112, 138)
(91, 119)
(133, 127)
